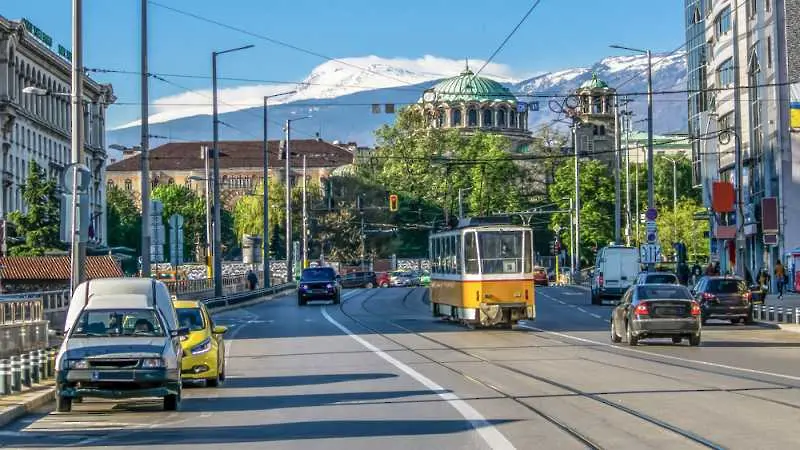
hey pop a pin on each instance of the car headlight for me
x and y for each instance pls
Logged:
(76, 364)
(329, 286)
(202, 347)
(303, 287)
(152, 363)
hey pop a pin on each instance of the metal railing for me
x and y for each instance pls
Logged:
(778, 314)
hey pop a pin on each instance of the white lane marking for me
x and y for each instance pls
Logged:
(596, 316)
(486, 430)
(559, 301)
(582, 310)
(572, 306)
(657, 355)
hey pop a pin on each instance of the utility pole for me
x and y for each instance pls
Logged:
(288, 212)
(363, 241)
(627, 125)
(209, 228)
(305, 217)
(78, 247)
(577, 198)
(144, 153)
(617, 199)
(739, 264)
(217, 248)
(571, 242)
(651, 202)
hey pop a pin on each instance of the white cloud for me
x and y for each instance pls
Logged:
(328, 80)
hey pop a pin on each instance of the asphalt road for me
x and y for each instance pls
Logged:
(379, 372)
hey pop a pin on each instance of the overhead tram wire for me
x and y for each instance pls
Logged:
(508, 37)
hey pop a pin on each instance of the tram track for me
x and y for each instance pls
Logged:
(573, 432)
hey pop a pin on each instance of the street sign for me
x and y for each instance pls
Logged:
(557, 229)
(651, 214)
(650, 253)
(176, 239)
(650, 225)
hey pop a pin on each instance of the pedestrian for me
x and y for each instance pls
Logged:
(780, 278)
(716, 268)
(710, 269)
(763, 282)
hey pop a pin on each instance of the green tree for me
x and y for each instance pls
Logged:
(38, 226)
(597, 204)
(680, 226)
(124, 219)
(184, 201)
(663, 181)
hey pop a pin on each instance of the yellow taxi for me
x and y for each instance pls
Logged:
(203, 347)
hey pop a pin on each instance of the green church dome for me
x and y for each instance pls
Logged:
(468, 87)
(594, 83)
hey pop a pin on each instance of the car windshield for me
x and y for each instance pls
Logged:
(118, 322)
(191, 318)
(664, 292)
(666, 278)
(731, 286)
(318, 274)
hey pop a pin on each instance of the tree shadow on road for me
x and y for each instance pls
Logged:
(302, 380)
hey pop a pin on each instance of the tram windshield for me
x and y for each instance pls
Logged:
(501, 251)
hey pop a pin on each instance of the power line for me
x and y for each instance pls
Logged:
(508, 37)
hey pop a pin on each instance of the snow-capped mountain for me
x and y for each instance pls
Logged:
(339, 96)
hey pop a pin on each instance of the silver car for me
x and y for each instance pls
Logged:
(656, 311)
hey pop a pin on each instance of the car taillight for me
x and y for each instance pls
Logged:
(600, 279)
(708, 296)
(642, 309)
(747, 296)
(695, 309)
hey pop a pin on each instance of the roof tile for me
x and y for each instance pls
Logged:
(56, 267)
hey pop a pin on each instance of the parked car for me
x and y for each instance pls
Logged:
(656, 311)
(657, 278)
(359, 280)
(540, 277)
(318, 283)
(404, 279)
(204, 346)
(382, 279)
(615, 270)
(724, 297)
(122, 341)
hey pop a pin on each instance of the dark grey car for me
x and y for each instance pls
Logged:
(724, 297)
(656, 311)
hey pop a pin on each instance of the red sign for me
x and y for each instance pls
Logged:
(722, 197)
(769, 215)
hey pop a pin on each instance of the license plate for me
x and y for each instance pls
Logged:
(116, 376)
(670, 311)
(319, 291)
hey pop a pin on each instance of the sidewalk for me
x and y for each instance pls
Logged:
(12, 407)
(790, 299)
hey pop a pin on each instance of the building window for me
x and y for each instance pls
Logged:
(725, 122)
(472, 117)
(767, 6)
(128, 185)
(722, 24)
(456, 122)
(487, 118)
(440, 118)
(753, 8)
(512, 119)
(501, 117)
(597, 105)
(769, 49)
(595, 131)
(602, 130)
(725, 73)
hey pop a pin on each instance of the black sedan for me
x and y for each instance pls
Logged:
(318, 283)
(656, 311)
(724, 297)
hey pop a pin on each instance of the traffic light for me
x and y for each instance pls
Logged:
(393, 201)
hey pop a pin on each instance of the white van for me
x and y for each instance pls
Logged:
(121, 340)
(615, 270)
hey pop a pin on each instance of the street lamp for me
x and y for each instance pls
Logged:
(674, 182)
(289, 256)
(651, 204)
(265, 184)
(217, 247)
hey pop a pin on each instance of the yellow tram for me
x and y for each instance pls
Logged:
(482, 273)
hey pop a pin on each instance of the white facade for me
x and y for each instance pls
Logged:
(746, 81)
(37, 128)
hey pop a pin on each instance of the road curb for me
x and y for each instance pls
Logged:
(247, 303)
(790, 327)
(19, 405)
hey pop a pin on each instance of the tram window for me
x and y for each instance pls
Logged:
(470, 253)
(501, 252)
(459, 265)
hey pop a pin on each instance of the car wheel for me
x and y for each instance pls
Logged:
(595, 298)
(215, 381)
(172, 402)
(301, 301)
(63, 404)
(694, 340)
(677, 340)
(384, 285)
(615, 338)
(749, 320)
(338, 299)
(630, 337)
(368, 285)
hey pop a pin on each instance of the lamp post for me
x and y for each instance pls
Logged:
(651, 204)
(724, 137)
(265, 186)
(77, 244)
(217, 246)
(674, 193)
(289, 243)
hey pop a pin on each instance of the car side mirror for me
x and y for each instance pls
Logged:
(692, 291)
(180, 332)
(219, 329)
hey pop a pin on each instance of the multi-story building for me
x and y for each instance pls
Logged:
(594, 128)
(739, 100)
(241, 165)
(37, 128)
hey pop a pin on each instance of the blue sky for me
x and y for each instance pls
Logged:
(559, 34)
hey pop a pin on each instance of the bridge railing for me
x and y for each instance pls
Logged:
(777, 314)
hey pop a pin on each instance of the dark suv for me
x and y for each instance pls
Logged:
(318, 283)
(724, 297)
(360, 280)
